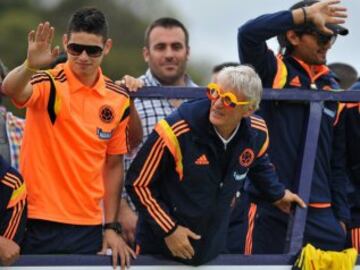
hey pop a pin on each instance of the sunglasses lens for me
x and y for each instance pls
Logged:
(74, 49)
(93, 51)
(227, 102)
(325, 39)
(212, 93)
(77, 49)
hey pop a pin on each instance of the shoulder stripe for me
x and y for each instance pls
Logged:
(33, 82)
(257, 120)
(181, 129)
(260, 124)
(60, 73)
(117, 89)
(177, 123)
(61, 76)
(64, 79)
(260, 128)
(39, 77)
(256, 123)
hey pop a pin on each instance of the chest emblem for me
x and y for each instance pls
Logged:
(295, 82)
(106, 114)
(202, 160)
(246, 157)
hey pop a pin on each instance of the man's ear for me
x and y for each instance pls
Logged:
(292, 37)
(146, 54)
(187, 53)
(250, 110)
(65, 41)
(108, 46)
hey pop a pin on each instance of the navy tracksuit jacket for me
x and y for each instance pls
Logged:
(287, 120)
(196, 192)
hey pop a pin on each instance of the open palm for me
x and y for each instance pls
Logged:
(40, 51)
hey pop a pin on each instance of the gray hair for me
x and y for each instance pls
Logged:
(244, 80)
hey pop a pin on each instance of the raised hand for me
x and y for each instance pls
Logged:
(324, 12)
(40, 52)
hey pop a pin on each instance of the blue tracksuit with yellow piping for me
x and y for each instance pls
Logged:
(184, 176)
(287, 122)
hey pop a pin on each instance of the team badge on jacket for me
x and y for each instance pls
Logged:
(246, 157)
(106, 114)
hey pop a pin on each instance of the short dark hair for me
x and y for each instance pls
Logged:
(219, 67)
(89, 20)
(285, 45)
(165, 22)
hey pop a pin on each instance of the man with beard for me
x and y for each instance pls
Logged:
(166, 51)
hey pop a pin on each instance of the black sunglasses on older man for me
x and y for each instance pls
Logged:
(77, 49)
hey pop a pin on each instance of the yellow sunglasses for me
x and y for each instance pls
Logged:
(228, 99)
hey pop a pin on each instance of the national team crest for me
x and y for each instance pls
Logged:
(106, 114)
(246, 157)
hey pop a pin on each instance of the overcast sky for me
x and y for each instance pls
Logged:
(213, 27)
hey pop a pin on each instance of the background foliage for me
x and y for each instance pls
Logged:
(127, 19)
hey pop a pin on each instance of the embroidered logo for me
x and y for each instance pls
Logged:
(202, 160)
(106, 114)
(246, 157)
(103, 135)
(295, 82)
(239, 177)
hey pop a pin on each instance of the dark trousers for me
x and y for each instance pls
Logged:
(261, 229)
(46, 237)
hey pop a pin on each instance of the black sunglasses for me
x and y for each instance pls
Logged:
(91, 50)
(325, 39)
(321, 38)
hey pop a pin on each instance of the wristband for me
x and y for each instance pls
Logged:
(305, 15)
(26, 64)
(115, 226)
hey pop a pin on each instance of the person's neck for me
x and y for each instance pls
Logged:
(225, 132)
(179, 82)
(89, 80)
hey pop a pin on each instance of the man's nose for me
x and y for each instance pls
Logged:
(169, 53)
(83, 55)
(218, 103)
